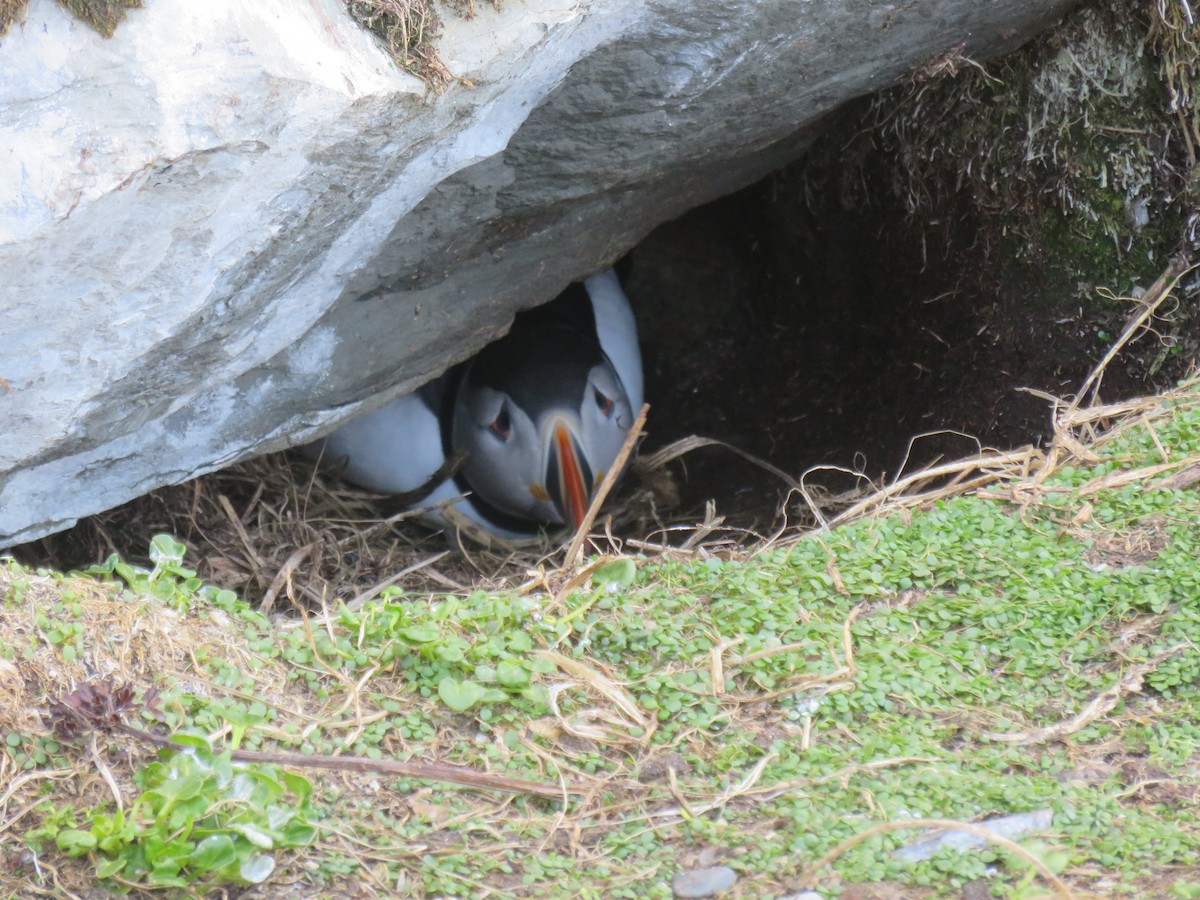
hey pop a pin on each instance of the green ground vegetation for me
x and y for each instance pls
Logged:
(1031, 645)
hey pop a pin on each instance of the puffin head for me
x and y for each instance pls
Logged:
(542, 416)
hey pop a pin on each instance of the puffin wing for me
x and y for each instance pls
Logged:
(393, 450)
(617, 332)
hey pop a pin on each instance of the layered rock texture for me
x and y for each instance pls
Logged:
(230, 225)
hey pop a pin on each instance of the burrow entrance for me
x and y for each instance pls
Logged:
(879, 288)
(813, 333)
(944, 244)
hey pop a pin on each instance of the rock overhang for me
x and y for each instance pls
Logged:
(319, 233)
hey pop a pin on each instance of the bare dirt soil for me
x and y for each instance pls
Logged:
(810, 335)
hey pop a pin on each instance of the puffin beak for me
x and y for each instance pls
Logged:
(568, 475)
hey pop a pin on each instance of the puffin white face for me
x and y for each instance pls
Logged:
(542, 458)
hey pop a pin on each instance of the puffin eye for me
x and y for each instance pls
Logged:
(603, 403)
(501, 426)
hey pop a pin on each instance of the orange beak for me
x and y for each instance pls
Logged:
(573, 495)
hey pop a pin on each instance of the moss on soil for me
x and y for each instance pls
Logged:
(10, 11)
(102, 15)
(1072, 157)
(409, 29)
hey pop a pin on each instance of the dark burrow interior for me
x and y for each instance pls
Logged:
(815, 332)
(810, 327)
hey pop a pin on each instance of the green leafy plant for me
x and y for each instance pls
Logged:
(1029, 885)
(200, 820)
(168, 580)
(467, 651)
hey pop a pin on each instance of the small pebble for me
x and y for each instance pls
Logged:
(693, 884)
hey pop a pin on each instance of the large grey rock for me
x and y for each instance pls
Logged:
(224, 228)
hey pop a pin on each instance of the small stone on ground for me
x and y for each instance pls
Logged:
(692, 884)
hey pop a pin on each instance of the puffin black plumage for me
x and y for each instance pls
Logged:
(541, 414)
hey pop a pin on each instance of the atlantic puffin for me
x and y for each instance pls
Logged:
(534, 419)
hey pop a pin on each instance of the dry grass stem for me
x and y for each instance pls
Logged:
(1112, 480)
(905, 492)
(694, 808)
(424, 770)
(606, 485)
(283, 576)
(630, 726)
(1100, 705)
(686, 445)
(770, 792)
(1147, 306)
(808, 877)
(372, 592)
